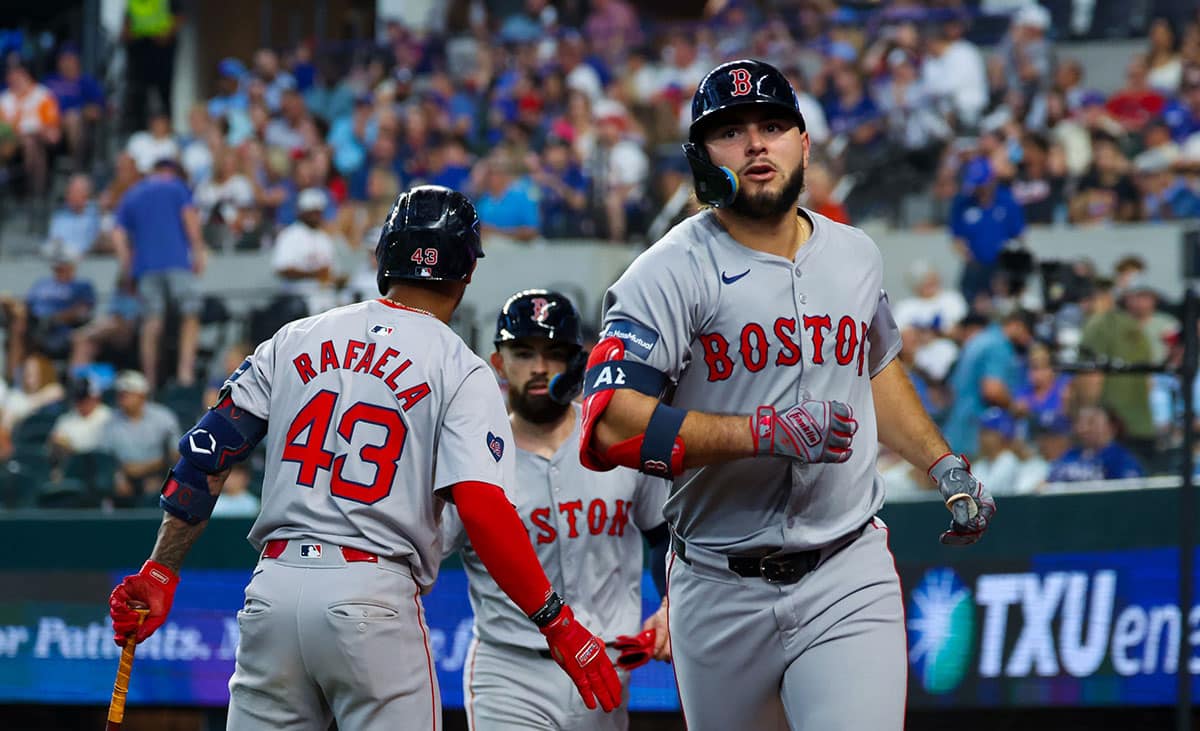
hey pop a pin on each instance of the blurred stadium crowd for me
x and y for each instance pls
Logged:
(564, 123)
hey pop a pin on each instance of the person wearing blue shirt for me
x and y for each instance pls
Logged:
(1098, 456)
(1182, 114)
(984, 218)
(230, 95)
(508, 205)
(76, 226)
(562, 190)
(80, 103)
(158, 243)
(987, 374)
(58, 304)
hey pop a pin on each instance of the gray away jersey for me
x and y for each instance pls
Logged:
(737, 328)
(371, 408)
(586, 528)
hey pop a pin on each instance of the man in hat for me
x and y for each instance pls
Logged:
(304, 254)
(142, 437)
(984, 218)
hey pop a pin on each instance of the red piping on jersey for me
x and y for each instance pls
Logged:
(500, 540)
(674, 666)
(903, 612)
(473, 651)
(397, 306)
(428, 658)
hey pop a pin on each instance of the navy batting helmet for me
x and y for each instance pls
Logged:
(730, 86)
(432, 234)
(538, 313)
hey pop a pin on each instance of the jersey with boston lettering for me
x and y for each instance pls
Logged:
(587, 530)
(372, 408)
(736, 328)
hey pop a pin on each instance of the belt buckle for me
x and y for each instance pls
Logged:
(782, 570)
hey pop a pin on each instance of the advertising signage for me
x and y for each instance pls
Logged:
(1086, 629)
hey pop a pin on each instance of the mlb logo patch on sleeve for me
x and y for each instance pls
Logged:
(495, 445)
(639, 340)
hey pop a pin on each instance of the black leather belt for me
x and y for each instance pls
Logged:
(776, 568)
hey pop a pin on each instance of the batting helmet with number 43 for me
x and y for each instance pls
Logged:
(732, 85)
(431, 233)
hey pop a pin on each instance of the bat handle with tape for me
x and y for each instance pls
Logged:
(116, 707)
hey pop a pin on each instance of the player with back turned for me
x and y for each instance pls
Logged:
(740, 355)
(586, 527)
(375, 416)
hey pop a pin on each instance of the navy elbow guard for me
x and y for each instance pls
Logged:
(225, 436)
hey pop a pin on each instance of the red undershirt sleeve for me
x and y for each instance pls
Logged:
(502, 544)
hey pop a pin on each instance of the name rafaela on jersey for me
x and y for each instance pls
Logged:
(359, 357)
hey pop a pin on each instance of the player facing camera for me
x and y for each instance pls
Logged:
(538, 339)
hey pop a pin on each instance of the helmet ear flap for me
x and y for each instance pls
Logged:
(715, 185)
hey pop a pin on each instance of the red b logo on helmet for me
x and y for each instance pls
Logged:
(541, 308)
(741, 81)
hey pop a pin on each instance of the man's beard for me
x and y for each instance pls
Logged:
(535, 408)
(770, 205)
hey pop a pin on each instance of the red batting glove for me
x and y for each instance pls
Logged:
(581, 654)
(154, 588)
(636, 650)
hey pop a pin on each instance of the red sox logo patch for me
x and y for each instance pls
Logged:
(495, 445)
(541, 308)
(656, 467)
(741, 82)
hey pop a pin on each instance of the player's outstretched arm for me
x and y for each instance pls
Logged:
(502, 544)
(625, 424)
(154, 586)
(906, 429)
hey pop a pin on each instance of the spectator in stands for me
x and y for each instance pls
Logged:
(1098, 455)
(40, 389)
(356, 218)
(1027, 53)
(996, 464)
(115, 330)
(1163, 62)
(348, 138)
(916, 130)
(1051, 439)
(1182, 113)
(142, 436)
(57, 305)
(159, 243)
(932, 307)
(80, 103)
(75, 227)
(287, 131)
(984, 219)
(987, 373)
(1166, 196)
(83, 428)
(304, 176)
(32, 112)
(236, 499)
(819, 184)
(1045, 395)
(612, 26)
(1106, 193)
(304, 255)
(1135, 104)
(562, 190)
(149, 35)
(274, 80)
(506, 203)
(224, 201)
(1111, 335)
(1067, 88)
(126, 175)
(156, 142)
(230, 98)
(1140, 300)
(579, 74)
(196, 148)
(450, 164)
(1040, 186)
(954, 72)
(619, 171)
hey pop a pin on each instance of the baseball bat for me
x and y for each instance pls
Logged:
(116, 706)
(961, 505)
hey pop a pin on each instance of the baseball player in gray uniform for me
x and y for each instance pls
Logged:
(721, 344)
(375, 415)
(586, 527)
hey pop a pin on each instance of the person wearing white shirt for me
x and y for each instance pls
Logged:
(932, 308)
(997, 466)
(156, 143)
(954, 71)
(83, 428)
(304, 254)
